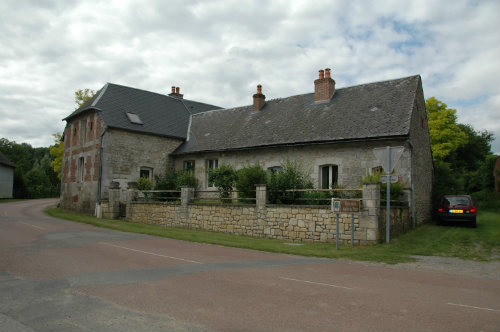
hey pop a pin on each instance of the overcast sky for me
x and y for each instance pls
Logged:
(218, 51)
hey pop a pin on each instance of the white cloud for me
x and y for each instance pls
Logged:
(218, 51)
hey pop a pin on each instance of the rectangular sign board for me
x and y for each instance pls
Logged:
(384, 178)
(345, 205)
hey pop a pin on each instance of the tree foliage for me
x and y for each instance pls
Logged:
(463, 162)
(223, 179)
(247, 178)
(292, 176)
(56, 151)
(33, 176)
(83, 95)
(445, 134)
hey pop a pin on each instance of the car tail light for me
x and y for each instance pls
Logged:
(440, 210)
(472, 210)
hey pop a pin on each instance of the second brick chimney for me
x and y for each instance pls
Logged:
(259, 100)
(175, 93)
(324, 86)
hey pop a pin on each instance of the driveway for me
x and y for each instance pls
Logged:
(58, 275)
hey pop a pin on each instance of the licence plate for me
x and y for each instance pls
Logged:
(456, 211)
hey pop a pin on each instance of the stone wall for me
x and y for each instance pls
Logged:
(423, 166)
(126, 153)
(81, 141)
(284, 222)
(290, 223)
(354, 160)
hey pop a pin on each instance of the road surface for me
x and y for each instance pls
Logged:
(58, 275)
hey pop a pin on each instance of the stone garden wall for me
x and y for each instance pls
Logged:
(286, 222)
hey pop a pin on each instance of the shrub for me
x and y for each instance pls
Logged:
(223, 179)
(186, 178)
(397, 189)
(291, 177)
(144, 184)
(247, 178)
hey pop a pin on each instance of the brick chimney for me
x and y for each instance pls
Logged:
(259, 100)
(175, 93)
(324, 86)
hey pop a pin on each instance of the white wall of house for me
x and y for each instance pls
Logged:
(353, 160)
(6, 181)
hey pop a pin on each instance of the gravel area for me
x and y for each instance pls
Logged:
(490, 270)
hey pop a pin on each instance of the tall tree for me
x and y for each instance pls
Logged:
(446, 135)
(56, 151)
(83, 95)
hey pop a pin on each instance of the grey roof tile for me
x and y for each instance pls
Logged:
(5, 161)
(375, 110)
(161, 115)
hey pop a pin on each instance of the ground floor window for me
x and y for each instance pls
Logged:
(329, 176)
(211, 164)
(274, 169)
(146, 172)
(188, 165)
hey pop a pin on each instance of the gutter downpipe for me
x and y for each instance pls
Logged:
(98, 211)
(413, 224)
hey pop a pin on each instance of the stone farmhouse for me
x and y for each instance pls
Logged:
(124, 133)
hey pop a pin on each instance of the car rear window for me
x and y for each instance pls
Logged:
(454, 200)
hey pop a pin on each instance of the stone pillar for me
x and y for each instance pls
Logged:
(187, 194)
(371, 211)
(260, 195)
(114, 203)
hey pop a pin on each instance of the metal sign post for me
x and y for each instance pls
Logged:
(344, 206)
(388, 157)
(388, 199)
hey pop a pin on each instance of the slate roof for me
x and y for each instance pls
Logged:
(368, 111)
(161, 114)
(5, 161)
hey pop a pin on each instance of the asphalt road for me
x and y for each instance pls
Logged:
(57, 275)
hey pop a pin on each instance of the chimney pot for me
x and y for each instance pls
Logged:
(327, 73)
(324, 87)
(321, 74)
(259, 100)
(173, 89)
(177, 89)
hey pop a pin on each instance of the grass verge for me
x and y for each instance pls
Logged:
(479, 243)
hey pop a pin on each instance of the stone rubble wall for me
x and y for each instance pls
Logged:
(295, 223)
(291, 223)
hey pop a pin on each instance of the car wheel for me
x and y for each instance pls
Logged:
(473, 223)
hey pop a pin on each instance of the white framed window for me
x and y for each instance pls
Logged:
(274, 169)
(329, 176)
(188, 165)
(80, 169)
(211, 164)
(146, 172)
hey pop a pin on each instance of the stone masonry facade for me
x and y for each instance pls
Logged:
(290, 223)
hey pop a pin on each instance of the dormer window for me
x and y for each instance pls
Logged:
(134, 118)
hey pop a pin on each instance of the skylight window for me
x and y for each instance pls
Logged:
(134, 118)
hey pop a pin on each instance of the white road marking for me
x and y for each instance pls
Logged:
(151, 253)
(25, 223)
(316, 283)
(472, 307)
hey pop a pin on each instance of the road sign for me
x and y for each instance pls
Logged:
(381, 154)
(345, 205)
(394, 178)
(388, 157)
